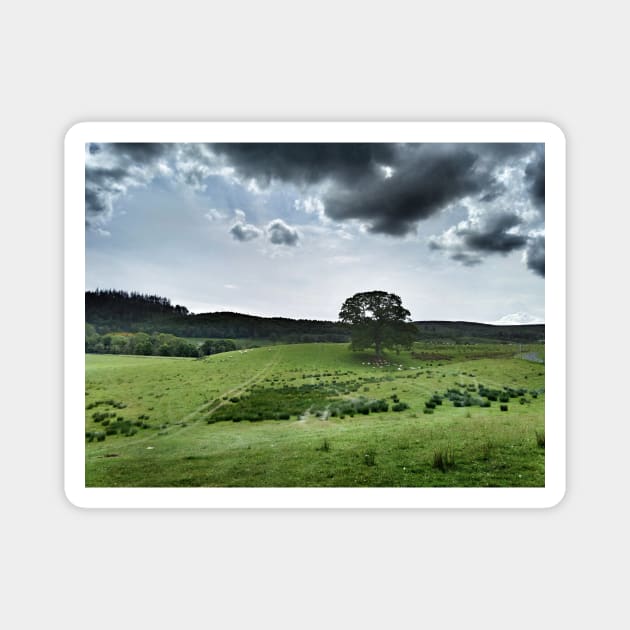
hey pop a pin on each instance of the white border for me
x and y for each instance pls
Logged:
(555, 315)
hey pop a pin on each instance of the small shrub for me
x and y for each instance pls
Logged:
(443, 459)
(504, 407)
(540, 438)
(325, 446)
(378, 406)
(401, 406)
(370, 458)
(427, 410)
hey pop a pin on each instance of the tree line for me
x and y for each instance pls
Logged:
(156, 344)
(112, 311)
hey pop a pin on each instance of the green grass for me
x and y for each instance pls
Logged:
(176, 424)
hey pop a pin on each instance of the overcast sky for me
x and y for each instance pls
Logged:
(292, 230)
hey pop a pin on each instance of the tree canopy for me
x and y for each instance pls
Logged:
(378, 319)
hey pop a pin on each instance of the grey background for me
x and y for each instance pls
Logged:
(68, 61)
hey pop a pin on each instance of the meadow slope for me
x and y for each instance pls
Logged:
(314, 415)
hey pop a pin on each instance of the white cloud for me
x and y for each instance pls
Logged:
(280, 233)
(242, 231)
(215, 215)
(513, 319)
(312, 205)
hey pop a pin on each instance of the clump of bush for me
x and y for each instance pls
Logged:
(504, 407)
(99, 416)
(540, 438)
(370, 458)
(444, 459)
(401, 406)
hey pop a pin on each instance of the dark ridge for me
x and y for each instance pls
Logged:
(120, 311)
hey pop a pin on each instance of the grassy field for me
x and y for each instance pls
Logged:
(317, 415)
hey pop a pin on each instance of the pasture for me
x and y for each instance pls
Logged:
(318, 415)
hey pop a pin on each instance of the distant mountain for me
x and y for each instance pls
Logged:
(120, 311)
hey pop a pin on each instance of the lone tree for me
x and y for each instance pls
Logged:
(378, 319)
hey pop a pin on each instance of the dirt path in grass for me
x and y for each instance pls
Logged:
(211, 407)
(177, 427)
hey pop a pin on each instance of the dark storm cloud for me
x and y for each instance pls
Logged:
(305, 163)
(102, 186)
(535, 255)
(244, 232)
(97, 204)
(114, 169)
(467, 259)
(428, 179)
(389, 188)
(504, 151)
(280, 233)
(470, 241)
(140, 153)
(535, 178)
(425, 178)
(493, 237)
